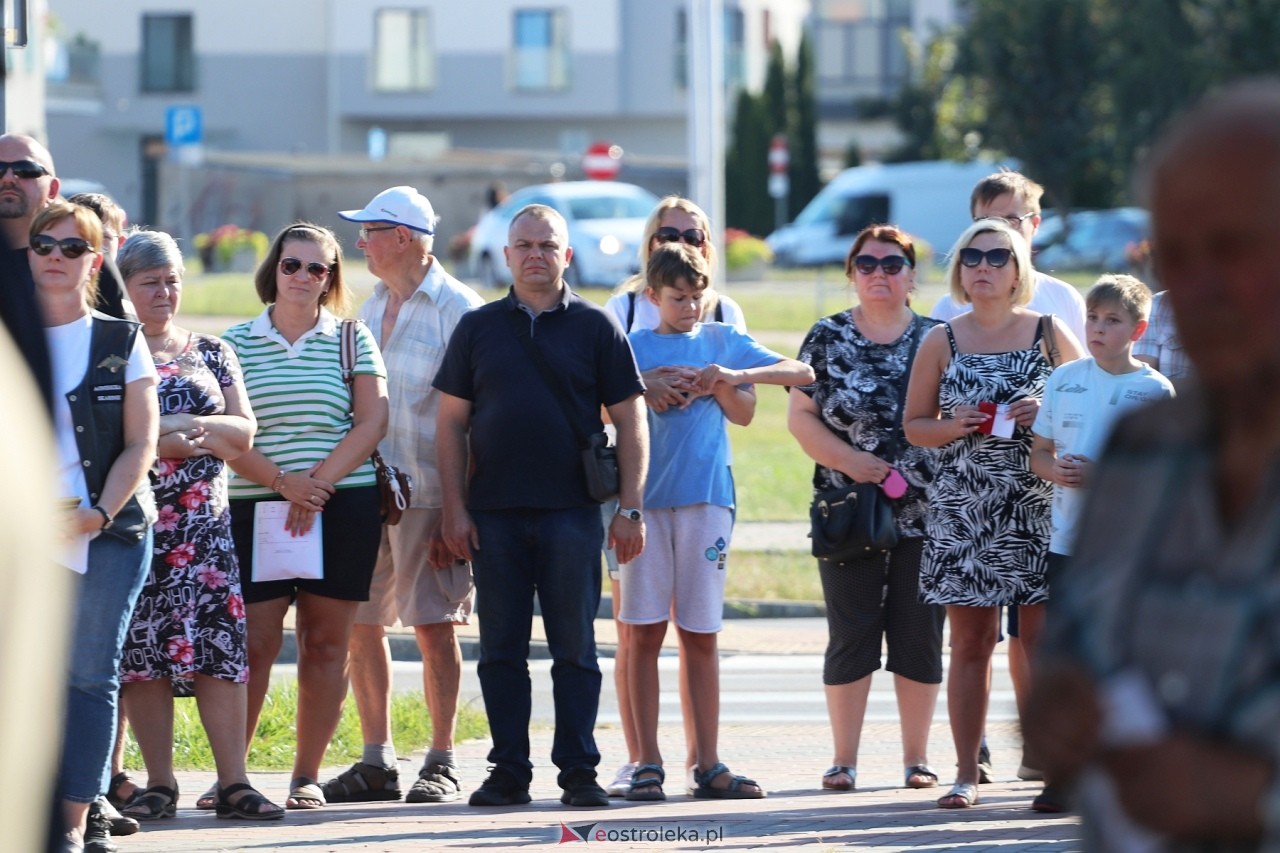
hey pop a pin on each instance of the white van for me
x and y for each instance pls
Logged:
(928, 199)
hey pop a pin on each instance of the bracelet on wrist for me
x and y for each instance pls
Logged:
(106, 516)
(278, 481)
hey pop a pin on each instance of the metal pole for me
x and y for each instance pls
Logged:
(706, 111)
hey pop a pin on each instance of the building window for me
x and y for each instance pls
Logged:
(867, 55)
(540, 50)
(403, 58)
(735, 75)
(168, 54)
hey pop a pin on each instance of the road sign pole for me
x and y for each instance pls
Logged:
(779, 182)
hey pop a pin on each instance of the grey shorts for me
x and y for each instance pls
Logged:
(405, 588)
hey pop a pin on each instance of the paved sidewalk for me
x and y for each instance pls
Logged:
(787, 760)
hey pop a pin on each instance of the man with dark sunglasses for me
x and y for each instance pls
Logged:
(27, 185)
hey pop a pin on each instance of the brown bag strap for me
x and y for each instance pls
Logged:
(1049, 337)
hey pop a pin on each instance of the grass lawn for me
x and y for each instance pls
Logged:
(274, 745)
(772, 576)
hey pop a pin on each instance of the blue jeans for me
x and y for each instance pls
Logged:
(555, 553)
(104, 600)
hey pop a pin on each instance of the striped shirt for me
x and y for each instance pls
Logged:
(298, 396)
(413, 354)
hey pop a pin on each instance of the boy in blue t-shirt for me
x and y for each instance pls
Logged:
(689, 502)
(1082, 401)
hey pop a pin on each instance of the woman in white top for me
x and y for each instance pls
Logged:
(106, 421)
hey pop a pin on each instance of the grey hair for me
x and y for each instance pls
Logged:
(147, 250)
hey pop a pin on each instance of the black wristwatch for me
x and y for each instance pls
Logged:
(631, 514)
(107, 520)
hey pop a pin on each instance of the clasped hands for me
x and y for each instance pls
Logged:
(676, 386)
(306, 494)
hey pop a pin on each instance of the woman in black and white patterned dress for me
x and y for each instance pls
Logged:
(988, 519)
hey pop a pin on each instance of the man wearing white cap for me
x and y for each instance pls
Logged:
(412, 313)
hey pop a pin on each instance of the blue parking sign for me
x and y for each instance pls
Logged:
(183, 126)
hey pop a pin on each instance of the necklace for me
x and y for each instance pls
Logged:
(165, 346)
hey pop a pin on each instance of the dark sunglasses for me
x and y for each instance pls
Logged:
(290, 266)
(892, 264)
(994, 257)
(695, 237)
(72, 247)
(26, 169)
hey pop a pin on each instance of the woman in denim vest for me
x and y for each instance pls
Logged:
(106, 421)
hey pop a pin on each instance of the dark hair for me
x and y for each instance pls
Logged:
(111, 214)
(881, 234)
(264, 280)
(672, 261)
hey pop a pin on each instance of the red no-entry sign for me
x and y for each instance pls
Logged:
(602, 162)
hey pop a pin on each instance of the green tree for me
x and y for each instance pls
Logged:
(803, 132)
(1036, 67)
(936, 112)
(1078, 89)
(779, 114)
(746, 164)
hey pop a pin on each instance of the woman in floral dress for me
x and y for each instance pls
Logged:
(188, 628)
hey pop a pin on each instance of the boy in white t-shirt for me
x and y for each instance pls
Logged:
(689, 500)
(1082, 400)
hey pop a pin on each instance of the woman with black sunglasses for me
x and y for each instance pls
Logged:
(106, 421)
(849, 421)
(974, 394)
(315, 436)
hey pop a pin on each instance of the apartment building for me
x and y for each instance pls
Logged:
(416, 77)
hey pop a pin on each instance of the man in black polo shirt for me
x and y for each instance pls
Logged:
(516, 503)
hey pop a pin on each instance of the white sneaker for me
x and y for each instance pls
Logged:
(622, 780)
(1030, 774)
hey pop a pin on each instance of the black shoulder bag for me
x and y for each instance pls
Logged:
(856, 521)
(599, 457)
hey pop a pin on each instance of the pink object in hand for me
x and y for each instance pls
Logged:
(894, 485)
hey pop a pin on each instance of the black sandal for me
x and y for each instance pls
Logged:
(649, 788)
(113, 790)
(248, 807)
(154, 803)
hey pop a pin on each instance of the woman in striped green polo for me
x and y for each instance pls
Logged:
(315, 436)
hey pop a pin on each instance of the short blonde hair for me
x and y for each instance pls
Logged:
(1026, 286)
(1123, 290)
(1006, 182)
